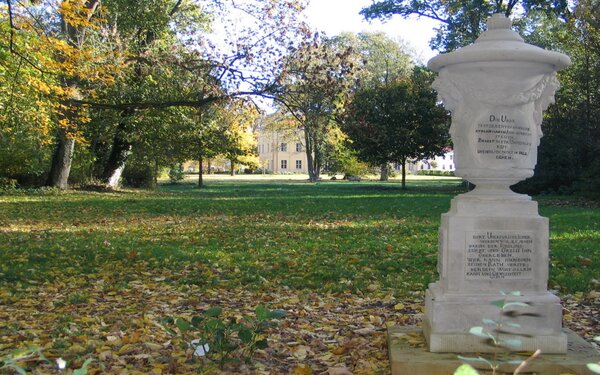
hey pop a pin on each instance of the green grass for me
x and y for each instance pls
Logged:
(331, 236)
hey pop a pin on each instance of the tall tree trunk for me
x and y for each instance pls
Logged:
(156, 170)
(209, 166)
(311, 156)
(61, 161)
(200, 179)
(404, 174)
(385, 172)
(119, 152)
(63, 156)
(232, 172)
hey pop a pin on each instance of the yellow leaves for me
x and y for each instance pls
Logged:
(303, 370)
(153, 346)
(126, 349)
(300, 352)
(398, 306)
(77, 13)
(340, 350)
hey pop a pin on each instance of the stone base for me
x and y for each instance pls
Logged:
(407, 356)
(468, 343)
(449, 317)
(492, 244)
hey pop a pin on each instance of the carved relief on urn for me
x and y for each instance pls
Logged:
(497, 90)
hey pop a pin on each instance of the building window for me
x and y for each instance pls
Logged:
(298, 147)
(450, 157)
(284, 164)
(284, 147)
(443, 166)
(298, 164)
(443, 157)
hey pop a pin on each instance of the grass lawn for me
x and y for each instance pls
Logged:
(90, 275)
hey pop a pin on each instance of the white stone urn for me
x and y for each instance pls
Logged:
(493, 240)
(497, 90)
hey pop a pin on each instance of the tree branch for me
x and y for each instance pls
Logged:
(12, 25)
(166, 104)
(175, 8)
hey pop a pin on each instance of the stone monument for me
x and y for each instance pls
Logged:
(493, 239)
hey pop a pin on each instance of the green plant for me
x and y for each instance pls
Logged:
(223, 339)
(497, 335)
(18, 359)
(8, 184)
(176, 173)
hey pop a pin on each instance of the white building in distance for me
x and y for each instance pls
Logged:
(282, 151)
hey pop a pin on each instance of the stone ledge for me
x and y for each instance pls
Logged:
(409, 355)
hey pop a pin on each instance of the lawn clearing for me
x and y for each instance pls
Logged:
(90, 275)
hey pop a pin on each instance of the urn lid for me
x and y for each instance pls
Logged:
(500, 43)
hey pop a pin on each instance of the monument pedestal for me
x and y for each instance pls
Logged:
(493, 241)
(493, 251)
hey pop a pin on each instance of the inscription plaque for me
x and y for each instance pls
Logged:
(499, 255)
(503, 136)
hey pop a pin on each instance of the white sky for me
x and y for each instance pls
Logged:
(336, 16)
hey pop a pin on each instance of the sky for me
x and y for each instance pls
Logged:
(336, 16)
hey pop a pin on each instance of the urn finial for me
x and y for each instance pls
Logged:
(498, 21)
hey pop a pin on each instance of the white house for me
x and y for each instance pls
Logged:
(444, 163)
(281, 151)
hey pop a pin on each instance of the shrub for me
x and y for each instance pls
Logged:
(138, 175)
(176, 173)
(434, 173)
(7, 184)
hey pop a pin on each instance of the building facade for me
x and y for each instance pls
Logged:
(444, 163)
(282, 151)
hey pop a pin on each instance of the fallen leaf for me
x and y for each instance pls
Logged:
(303, 370)
(338, 371)
(300, 352)
(399, 306)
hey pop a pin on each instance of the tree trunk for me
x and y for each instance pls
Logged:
(200, 179)
(232, 172)
(403, 174)
(385, 172)
(312, 163)
(63, 155)
(156, 170)
(119, 152)
(209, 166)
(61, 161)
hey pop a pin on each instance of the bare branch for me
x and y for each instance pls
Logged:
(12, 26)
(175, 8)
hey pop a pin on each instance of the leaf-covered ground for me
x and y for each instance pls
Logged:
(91, 275)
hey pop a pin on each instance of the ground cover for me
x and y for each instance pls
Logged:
(91, 275)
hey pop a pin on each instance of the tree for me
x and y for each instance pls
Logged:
(53, 39)
(383, 61)
(316, 82)
(207, 139)
(26, 124)
(569, 152)
(175, 64)
(75, 19)
(159, 58)
(397, 122)
(240, 143)
(461, 22)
